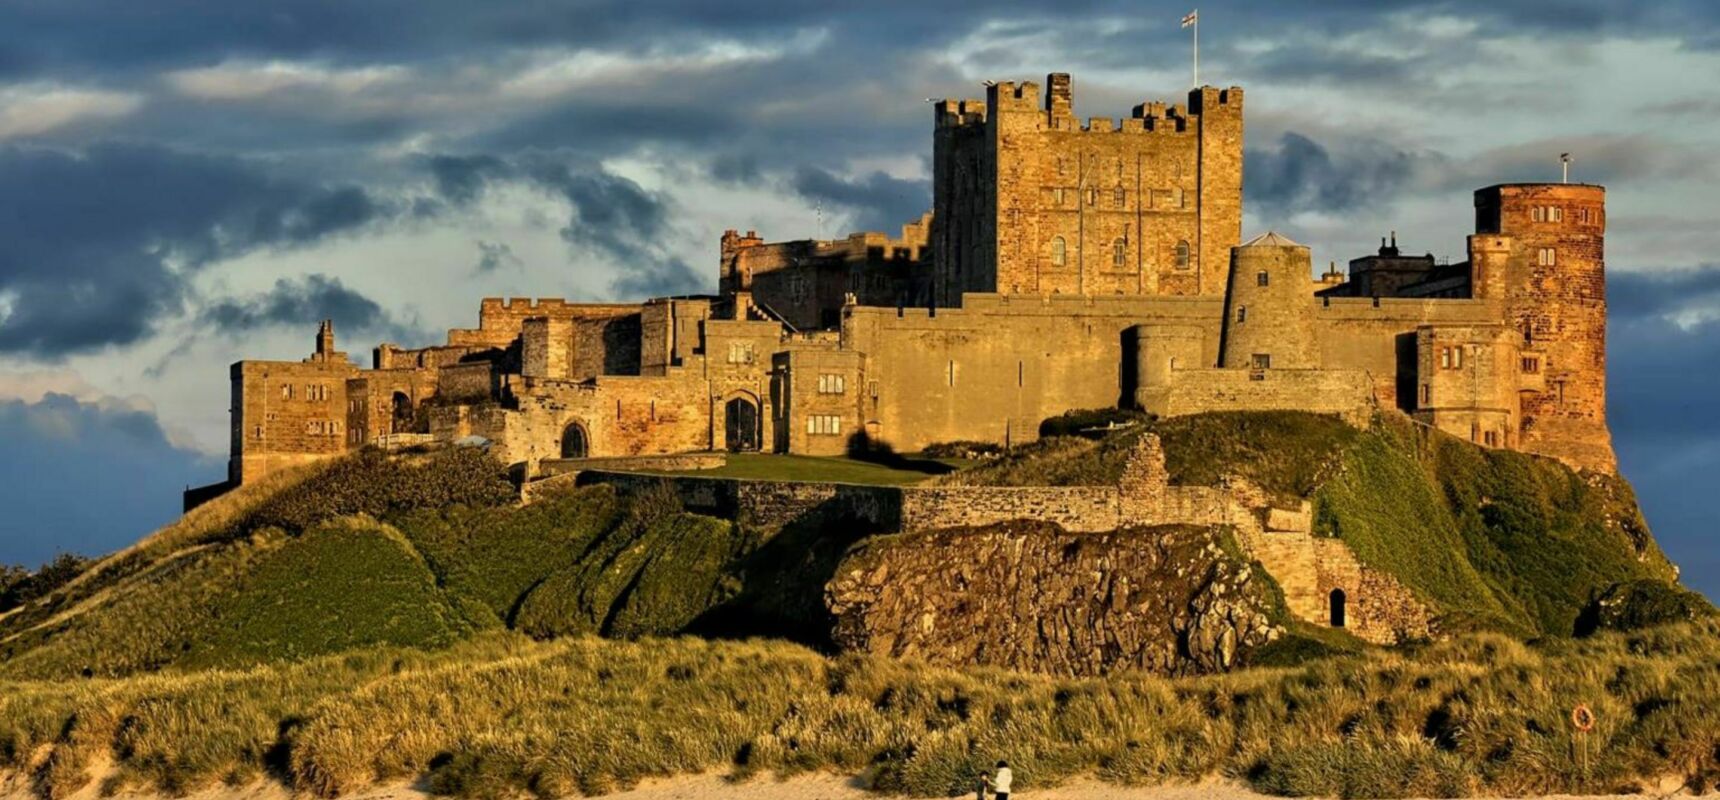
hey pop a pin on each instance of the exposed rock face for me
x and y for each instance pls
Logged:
(1030, 596)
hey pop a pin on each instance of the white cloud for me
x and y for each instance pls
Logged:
(37, 108)
(246, 80)
(557, 73)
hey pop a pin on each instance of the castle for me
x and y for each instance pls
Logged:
(1064, 264)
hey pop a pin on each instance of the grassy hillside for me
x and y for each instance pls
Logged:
(418, 552)
(501, 715)
(1492, 539)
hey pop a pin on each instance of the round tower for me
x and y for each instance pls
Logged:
(1554, 294)
(1269, 306)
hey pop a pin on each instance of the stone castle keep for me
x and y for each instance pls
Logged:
(1065, 264)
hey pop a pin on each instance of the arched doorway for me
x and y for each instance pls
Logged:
(401, 419)
(741, 430)
(1338, 603)
(574, 442)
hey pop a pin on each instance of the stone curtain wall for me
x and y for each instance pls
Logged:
(1088, 509)
(1346, 393)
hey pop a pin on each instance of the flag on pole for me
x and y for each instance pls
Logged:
(1190, 19)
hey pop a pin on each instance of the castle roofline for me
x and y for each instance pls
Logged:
(1519, 184)
(1272, 239)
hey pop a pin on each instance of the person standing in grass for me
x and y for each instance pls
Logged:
(1000, 783)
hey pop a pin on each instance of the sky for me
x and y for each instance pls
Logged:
(186, 184)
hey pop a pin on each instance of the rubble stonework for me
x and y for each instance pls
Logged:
(1032, 596)
(1065, 265)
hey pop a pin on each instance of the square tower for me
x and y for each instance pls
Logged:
(1029, 200)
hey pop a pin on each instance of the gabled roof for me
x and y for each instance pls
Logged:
(1272, 239)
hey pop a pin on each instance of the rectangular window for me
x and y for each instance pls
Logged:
(1445, 358)
(1547, 257)
(1262, 361)
(1263, 279)
(1531, 365)
(1538, 214)
(824, 425)
(1242, 313)
(740, 352)
(286, 391)
(1457, 357)
(1427, 394)
(1556, 214)
(831, 384)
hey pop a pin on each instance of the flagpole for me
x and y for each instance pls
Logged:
(1197, 51)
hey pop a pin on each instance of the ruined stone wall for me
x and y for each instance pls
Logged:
(1029, 596)
(1074, 508)
(1031, 201)
(997, 367)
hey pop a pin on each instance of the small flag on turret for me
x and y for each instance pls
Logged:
(1191, 18)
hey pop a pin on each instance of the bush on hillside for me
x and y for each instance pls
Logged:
(1638, 604)
(19, 585)
(964, 448)
(1090, 422)
(371, 482)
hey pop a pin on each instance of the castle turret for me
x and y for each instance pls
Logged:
(1269, 306)
(1554, 292)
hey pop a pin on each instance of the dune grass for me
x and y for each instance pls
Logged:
(499, 715)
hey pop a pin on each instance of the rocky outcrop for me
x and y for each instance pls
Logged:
(1172, 599)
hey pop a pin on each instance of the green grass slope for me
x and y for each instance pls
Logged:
(417, 551)
(1491, 539)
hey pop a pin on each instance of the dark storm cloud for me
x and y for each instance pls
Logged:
(1660, 409)
(99, 244)
(609, 215)
(493, 256)
(61, 452)
(1645, 296)
(1300, 174)
(299, 304)
(880, 202)
(70, 34)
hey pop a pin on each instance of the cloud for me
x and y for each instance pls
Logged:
(87, 476)
(609, 214)
(878, 201)
(301, 303)
(1682, 297)
(1299, 174)
(100, 243)
(250, 80)
(492, 256)
(35, 109)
